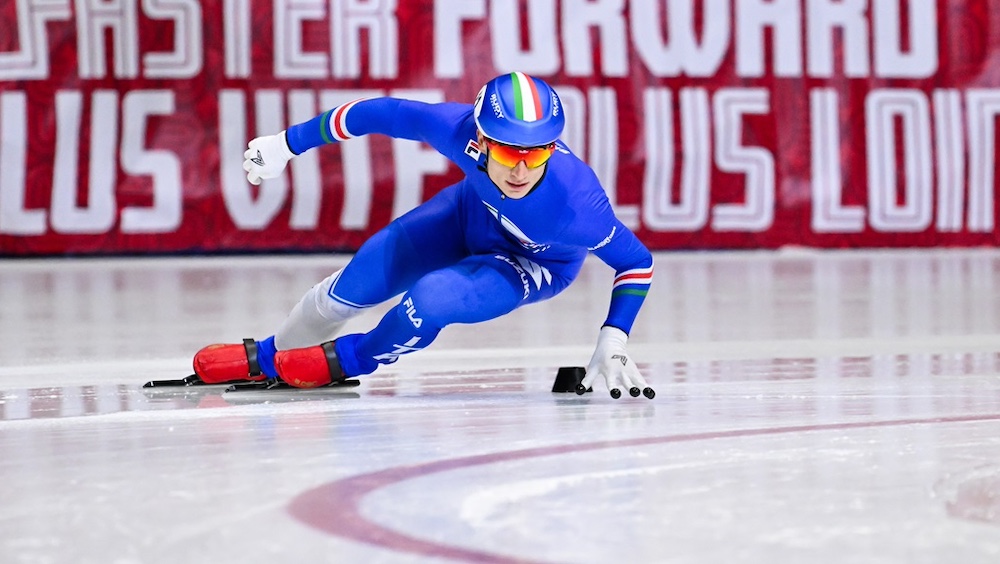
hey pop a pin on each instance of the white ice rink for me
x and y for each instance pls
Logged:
(811, 407)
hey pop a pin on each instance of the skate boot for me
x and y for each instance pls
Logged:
(309, 367)
(220, 364)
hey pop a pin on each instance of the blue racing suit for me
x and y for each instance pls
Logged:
(469, 254)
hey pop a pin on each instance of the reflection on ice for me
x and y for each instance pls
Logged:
(816, 378)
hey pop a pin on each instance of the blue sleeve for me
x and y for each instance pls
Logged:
(438, 125)
(633, 266)
(606, 236)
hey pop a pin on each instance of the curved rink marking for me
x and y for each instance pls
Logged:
(335, 508)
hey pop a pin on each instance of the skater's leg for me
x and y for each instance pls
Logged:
(425, 239)
(470, 291)
(477, 289)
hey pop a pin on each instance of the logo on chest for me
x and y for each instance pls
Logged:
(514, 230)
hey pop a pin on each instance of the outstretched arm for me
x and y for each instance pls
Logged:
(434, 124)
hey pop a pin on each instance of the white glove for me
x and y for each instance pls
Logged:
(266, 157)
(611, 360)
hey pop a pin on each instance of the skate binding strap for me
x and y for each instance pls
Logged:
(251, 347)
(333, 363)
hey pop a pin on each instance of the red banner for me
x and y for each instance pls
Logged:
(713, 124)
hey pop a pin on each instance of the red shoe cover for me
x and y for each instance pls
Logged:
(216, 364)
(303, 368)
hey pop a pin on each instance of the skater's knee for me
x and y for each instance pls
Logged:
(434, 299)
(331, 306)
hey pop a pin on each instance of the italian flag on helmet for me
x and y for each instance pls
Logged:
(521, 110)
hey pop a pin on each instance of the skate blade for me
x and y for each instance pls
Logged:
(276, 384)
(192, 380)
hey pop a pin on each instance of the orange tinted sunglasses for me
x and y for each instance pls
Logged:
(509, 156)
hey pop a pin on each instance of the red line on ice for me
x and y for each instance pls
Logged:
(335, 508)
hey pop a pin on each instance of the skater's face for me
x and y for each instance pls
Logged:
(509, 169)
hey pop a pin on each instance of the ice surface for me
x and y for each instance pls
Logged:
(811, 407)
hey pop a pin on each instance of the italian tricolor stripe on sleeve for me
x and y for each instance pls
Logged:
(334, 126)
(633, 282)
